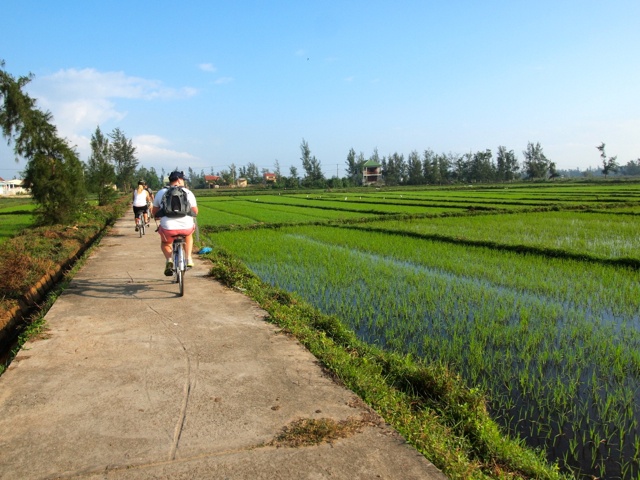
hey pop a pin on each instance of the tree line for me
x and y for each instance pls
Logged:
(426, 168)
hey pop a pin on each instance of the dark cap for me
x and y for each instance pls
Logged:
(175, 175)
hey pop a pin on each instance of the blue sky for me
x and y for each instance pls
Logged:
(206, 84)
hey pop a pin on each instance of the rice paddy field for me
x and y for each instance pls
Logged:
(15, 215)
(531, 293)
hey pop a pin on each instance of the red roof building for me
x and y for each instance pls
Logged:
(212, 180)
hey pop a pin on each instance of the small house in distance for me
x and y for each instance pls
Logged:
(371, 173)
(212, 181)
(241, 182)
(269, 177)
(12, 187)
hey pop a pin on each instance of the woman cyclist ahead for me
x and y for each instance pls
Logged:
(141, 201)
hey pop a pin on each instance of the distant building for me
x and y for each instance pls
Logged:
(371, 173)
(212, 181)
(241, 182)
(269, 177)
(12, 187)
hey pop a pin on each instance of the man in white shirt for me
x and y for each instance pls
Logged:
(172, 226)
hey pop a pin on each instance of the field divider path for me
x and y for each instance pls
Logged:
(131, 381)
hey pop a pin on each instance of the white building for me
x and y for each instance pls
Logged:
(12, 187)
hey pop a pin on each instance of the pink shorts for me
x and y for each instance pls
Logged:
(167, 235)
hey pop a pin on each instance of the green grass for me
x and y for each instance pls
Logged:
(16, 214)
(601, 235)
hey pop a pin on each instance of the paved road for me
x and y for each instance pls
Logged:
(133, 382)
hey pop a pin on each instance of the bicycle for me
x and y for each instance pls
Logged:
(179, 261)
(141, 225)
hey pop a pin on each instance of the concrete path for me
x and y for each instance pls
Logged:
(131, 381)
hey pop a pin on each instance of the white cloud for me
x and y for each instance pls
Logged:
(207, 67)
(81, 99)
(90, 83)
(152, 150)
(223, 80)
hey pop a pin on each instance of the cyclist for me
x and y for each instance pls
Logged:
(172, 226)
(150, 202)
(141, 201)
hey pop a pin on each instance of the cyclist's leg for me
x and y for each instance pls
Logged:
(166, 245)
(188, 244)
(135, 216)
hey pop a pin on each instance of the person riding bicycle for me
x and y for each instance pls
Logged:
(150, 203)
(141, 201)
(172, 226)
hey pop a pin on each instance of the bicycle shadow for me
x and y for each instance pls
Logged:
(116, 289)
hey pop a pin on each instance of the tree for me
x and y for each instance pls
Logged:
(445, 163)
(123, 154)
(481, 168)
(536, 165)
(153, 180)
(56, 179)
(233, 174)
(293, 181)
(276, 169)
(428, 161)
(632, 168)
(507, 165)
(414, 169)
(101, 174)
(54, 173)
(16, 105)
(462, 167)
(608, 164)
(252, 174)
(436, 167)
(394, 169)
(313, 171)
(226, 176)
(355, 165)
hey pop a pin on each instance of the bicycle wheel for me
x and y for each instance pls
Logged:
(140, 225)
(176, 262)
(180, 268)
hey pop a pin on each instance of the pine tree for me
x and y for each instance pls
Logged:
(101, 174)
(54, 173)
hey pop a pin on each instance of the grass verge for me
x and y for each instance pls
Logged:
(35, 251)
(428, 404)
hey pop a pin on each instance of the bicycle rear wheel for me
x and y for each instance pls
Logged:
(180, 275)
(181, 269)
(140, 225)
(179, 263)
